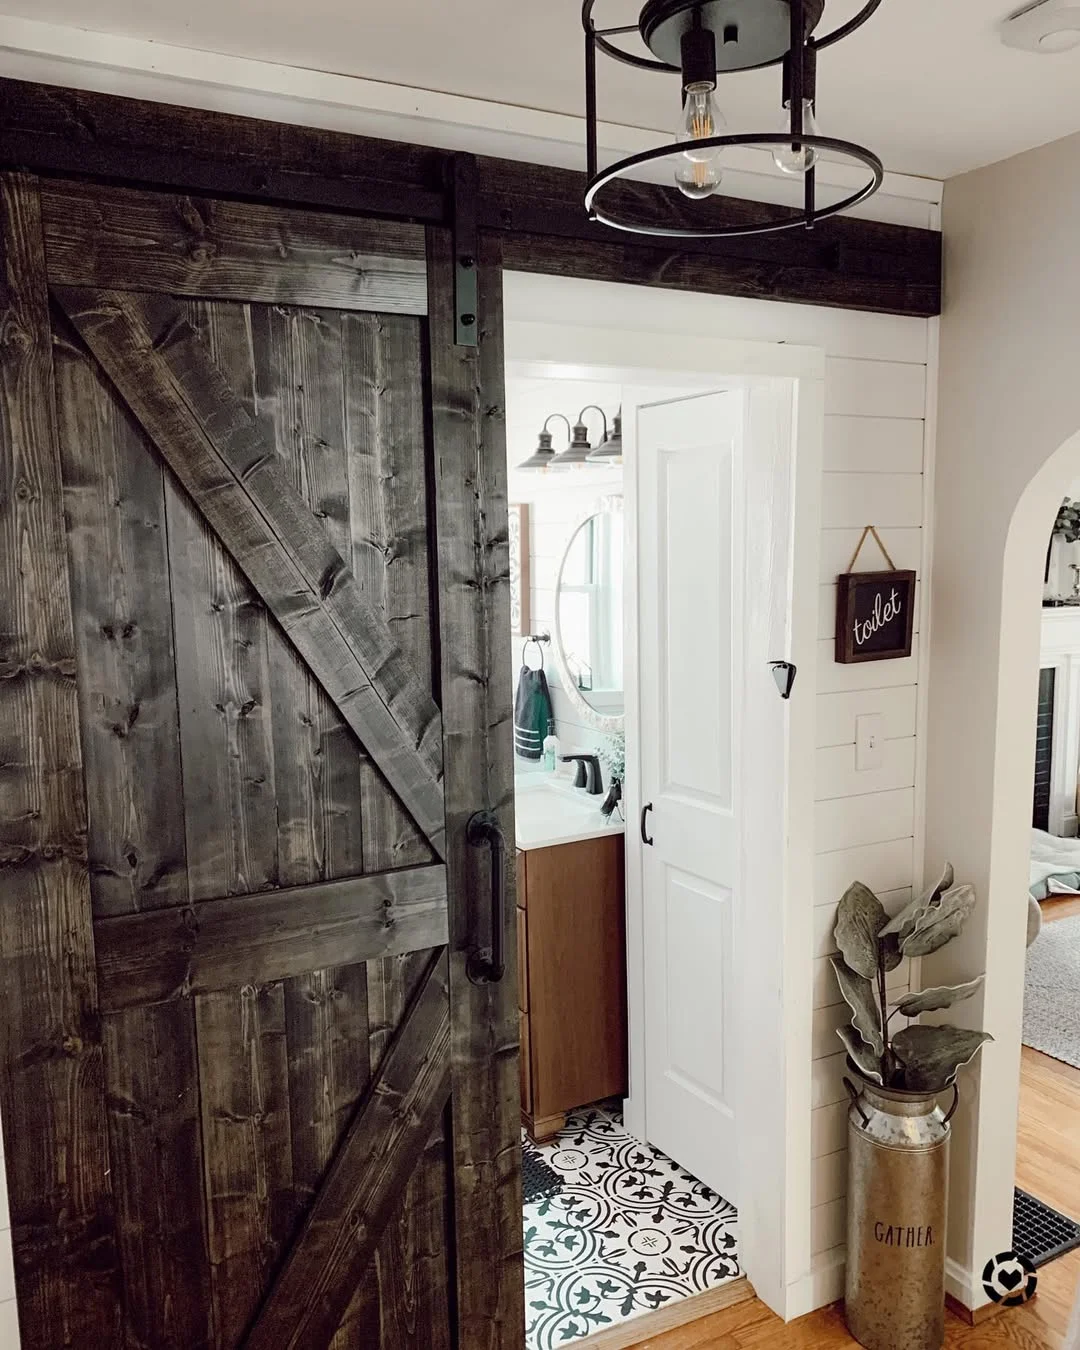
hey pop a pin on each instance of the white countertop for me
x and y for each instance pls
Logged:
(549, 812)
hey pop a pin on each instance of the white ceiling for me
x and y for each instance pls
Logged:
(926, 83)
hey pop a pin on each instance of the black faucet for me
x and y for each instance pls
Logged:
(588, 773)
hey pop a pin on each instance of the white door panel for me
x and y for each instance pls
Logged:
(694, 504)
(698, 923)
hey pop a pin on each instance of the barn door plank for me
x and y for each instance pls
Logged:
(383, 367)
(296, 356)
(223, 667)
(154, 357)
(114, 504)
(58, 1185)
(156, 1158)
(366, 1178)
(474, 616)
(326, 1027)
(197, 246)
(223, 680)
(251, 1201)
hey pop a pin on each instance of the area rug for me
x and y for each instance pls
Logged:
(1052, 991)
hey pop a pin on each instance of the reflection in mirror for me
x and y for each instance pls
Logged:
(589, 612)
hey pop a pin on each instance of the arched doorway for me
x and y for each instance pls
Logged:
(984, 1160)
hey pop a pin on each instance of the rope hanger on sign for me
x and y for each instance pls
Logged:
(870, 529)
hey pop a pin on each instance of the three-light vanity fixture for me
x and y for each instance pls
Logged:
(579, 450)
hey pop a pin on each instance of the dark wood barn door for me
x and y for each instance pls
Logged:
(254, 586)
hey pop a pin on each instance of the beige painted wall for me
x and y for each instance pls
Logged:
(1009, 401)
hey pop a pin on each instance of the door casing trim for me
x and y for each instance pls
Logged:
(774, 1071)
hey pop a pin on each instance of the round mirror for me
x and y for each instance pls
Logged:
(588, 643)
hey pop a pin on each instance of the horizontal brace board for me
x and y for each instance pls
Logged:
(847, 262)
(145, 241)
(272, 935)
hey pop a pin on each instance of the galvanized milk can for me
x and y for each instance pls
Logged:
(898, 1182)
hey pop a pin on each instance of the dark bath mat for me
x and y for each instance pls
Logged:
(538, 1180)
(1039, 1232)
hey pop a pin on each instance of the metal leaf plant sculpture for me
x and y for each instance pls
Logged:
(870, 944)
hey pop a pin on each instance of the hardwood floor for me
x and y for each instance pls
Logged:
(1047, 1165)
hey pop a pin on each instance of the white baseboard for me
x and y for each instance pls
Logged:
(824, 1284)
(965, 1285)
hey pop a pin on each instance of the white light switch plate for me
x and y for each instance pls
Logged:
(869, 741)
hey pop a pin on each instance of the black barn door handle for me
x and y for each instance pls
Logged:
(487, 965)
(646, 838)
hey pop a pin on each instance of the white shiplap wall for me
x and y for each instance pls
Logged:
(865, 822)
(879, 380)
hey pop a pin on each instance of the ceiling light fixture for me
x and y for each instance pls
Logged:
(699, 40)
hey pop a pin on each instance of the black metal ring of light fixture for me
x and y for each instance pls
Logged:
(600, 37)
(770, 226)
(599, 179)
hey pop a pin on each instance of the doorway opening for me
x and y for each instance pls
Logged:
(635, 629)
(1046, 1219)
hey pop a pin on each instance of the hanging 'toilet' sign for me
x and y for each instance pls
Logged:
(875, 611)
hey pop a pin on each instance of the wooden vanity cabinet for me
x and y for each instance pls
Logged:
(571, 979)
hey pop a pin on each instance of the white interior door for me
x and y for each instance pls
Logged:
(689, 466)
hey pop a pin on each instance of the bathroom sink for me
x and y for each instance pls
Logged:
(550, 812)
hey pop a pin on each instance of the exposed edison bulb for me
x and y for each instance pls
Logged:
(789, 160)
(696, 172)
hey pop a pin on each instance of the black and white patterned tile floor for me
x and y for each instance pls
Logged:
(630, 1232)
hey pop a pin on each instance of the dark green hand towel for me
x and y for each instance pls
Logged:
(532, 713)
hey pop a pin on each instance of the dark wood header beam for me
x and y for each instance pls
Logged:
(844, 262)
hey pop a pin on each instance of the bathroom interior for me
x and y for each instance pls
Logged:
(613, 1227)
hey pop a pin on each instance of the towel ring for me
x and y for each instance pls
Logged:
(538, 640)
